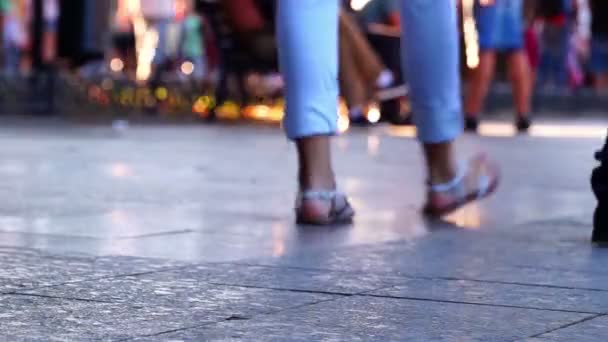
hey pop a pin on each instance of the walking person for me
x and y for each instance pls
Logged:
(500, 26)
(308, 53)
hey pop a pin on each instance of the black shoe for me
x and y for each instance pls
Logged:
(599, 184)
(523, 124)
(360, 121)
(471, 124)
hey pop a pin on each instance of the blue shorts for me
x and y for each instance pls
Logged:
(500, 26)
(599, 55)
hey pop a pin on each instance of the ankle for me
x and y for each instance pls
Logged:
(317, 182)
(442, 175)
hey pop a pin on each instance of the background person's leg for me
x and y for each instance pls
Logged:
(479, 84)
(353, 85)
(519, 73)
(366, 59)
(430, 47)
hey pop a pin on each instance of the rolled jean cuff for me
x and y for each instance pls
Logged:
(309, 121)
(438, 127)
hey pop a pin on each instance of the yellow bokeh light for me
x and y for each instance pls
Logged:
(162, 93)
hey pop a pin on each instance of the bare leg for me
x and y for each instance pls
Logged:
(519, 73)
(440, 161)
(480, 81)
(314, 155)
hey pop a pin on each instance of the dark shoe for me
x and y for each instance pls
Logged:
(599, 184)
(471, 124)
(360, 121)
(523, 124)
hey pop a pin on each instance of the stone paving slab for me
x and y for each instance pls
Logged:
(23, 269)
(28, 318)
(592, 330)
(452, 251)
(185, 290)
(128, 306)
(31, 318)
(293, 279)
(287, 279)
(383, 319)
(539, 297)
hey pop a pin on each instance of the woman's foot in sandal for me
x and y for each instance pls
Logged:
(322, 208)
(477, 180)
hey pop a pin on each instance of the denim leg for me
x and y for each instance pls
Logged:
(430, 50)
(308, 55)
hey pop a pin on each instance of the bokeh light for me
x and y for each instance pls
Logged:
(187, 68)
(117, 65)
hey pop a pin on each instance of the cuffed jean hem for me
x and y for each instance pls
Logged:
(310, 121)
(436, 128)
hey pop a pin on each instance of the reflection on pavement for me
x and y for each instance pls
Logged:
(505, 130)
(120, 170)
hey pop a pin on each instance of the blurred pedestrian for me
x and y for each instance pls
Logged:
(599, 43)
(500, 26)
(193, 42)
(308, 51)
(158, 16)
(361, 70)
(558, 18)
(5, 8)
(254, 30)
(15, 40)
(381, 16)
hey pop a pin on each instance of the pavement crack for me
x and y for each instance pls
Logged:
(589, 318)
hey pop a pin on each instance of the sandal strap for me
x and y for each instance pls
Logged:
(454, 183)
(483, 186)
(324, 195)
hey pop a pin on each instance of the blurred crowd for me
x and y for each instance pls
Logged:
(561, 44)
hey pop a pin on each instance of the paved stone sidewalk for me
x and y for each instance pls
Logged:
(185, 233)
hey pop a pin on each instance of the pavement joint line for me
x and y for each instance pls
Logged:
(589, 318)
(79, 237)
(172, 232)
(423, 277)
(59, 297)
(478, 304)
(342, 294)
(84, 280)
(368, 293)
(522, 284)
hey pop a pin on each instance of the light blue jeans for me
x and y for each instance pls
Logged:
(308, 54)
